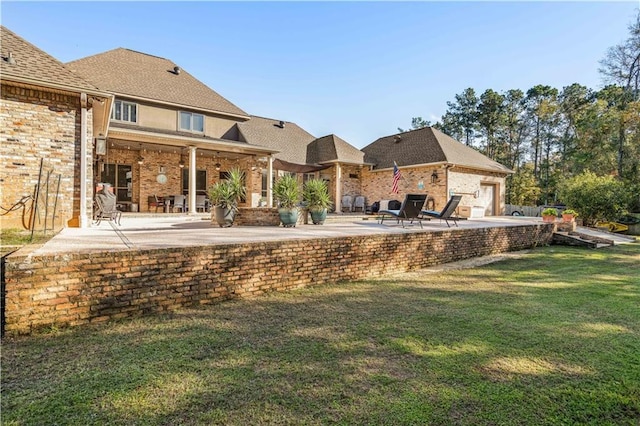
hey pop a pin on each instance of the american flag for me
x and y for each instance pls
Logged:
(396, 178)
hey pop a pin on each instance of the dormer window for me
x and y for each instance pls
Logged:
(125, 111)
(191, 122)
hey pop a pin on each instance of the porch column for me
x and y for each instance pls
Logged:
(338, 188)
(270, 181)
(191, 196)
(83, 221)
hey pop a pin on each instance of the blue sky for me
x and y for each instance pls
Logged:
(356, 69)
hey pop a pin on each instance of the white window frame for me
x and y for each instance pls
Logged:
(191, 115)
(121, 105)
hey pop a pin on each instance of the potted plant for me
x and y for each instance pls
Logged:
(316, 196)
(286, 193)
(549, 214)
(569, 215)
(225, 195)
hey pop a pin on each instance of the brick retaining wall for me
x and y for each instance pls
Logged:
(74, 289)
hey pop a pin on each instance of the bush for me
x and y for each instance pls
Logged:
(596, 197)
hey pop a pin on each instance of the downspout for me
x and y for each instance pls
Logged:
(338, 188)
(83, 219)
(192, 180)
(270, 181)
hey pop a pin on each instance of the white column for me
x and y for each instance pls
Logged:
(83, 221)
(338, 188)
(192, 180)
(270, 181)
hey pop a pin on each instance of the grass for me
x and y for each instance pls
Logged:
(12, 239)
(552, 338)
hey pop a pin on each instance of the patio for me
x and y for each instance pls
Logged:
(156, 231)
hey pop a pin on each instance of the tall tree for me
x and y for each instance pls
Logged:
(514, 129)
(490, 115)
(417, 123)
(621, 66)
(464, 111)
(573, 101)
(541, 107)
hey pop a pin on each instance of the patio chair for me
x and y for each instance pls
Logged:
(409, 210)
(202, 203)
(154, 201)
(179, 202)
(360, 203)
(347, 203)
(447, 213)
(105, 207)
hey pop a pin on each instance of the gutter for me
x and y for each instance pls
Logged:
(187, 141)
(192, 107)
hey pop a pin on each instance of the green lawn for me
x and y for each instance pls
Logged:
(549, 338)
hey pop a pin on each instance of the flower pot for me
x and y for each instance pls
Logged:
(568, 217)
(548, 218)
(288, 217)
(318, 216)
(224, 217)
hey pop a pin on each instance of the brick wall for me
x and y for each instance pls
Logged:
(74, 289)
(37, 124)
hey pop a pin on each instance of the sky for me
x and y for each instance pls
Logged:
(356, 69)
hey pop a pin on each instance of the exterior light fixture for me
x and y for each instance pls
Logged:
(218, 165)
(140, 160)
(434, 177)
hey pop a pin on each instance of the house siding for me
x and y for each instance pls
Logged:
(36, 124)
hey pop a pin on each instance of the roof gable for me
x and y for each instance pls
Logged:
(140, 75)
(34, 64)
(424, 146)
(332, 148)
(289, 139)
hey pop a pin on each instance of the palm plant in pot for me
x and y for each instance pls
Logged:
(225, 196)
(316, 196)
(286, 192)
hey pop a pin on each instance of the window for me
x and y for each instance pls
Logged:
(307, 177)
(125, 111)
(201, 182)
(191, 122)
(119, 176)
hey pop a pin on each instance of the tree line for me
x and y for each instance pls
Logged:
(547, 135)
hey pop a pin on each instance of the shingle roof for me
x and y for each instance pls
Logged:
(424, 146)
(291, 140)
(34, 64)
(332, 148)
(140, 75)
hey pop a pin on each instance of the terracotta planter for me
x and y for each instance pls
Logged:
(549, 218)
(568, 217)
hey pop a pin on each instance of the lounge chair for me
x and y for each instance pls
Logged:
(409, 210)
(447, 213)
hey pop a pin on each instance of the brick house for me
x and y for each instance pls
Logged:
(147, 127)
(48, 118)
(436, 164)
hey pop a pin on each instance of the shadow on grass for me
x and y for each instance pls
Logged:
(530, 341)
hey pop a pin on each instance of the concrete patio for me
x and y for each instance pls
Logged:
(164, 231)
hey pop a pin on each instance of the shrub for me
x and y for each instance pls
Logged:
(549, 211)
(596, 197)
